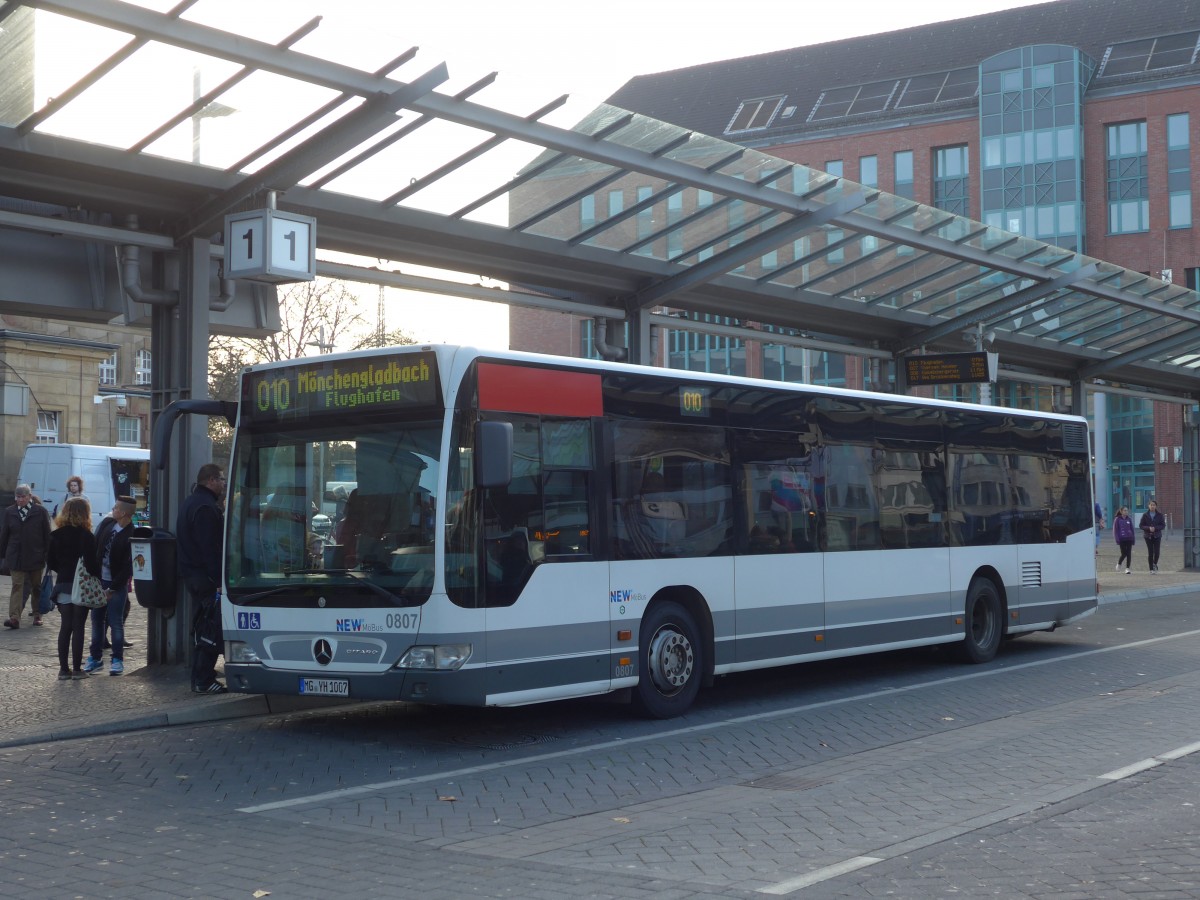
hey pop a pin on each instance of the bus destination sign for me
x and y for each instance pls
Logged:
(317, 387)
(951, 368)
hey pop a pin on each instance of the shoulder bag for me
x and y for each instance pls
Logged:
(46, 594)
(87, 589)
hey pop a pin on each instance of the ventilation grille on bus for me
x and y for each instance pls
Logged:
(1075, 439)
(1031, 574)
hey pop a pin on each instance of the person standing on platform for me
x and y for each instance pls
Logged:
(116, 573)
(24, 540)
(199, 533)
(70, 541)
(1152, 525)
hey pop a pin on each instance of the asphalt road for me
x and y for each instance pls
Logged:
(1066, 768)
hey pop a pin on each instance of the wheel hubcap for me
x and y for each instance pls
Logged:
(671, 660)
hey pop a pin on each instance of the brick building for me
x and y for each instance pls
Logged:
(1070, 122)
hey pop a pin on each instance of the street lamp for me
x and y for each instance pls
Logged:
(319, 343)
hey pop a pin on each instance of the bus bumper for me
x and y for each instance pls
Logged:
(463, 688)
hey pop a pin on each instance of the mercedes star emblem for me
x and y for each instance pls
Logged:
(322, 652)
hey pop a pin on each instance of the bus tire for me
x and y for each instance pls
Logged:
(984, 625)
(670, 659)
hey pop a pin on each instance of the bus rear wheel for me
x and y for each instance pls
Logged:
(670, 661)
(984, 625)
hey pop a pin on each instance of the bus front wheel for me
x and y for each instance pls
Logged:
(670, 661)
(984, 626)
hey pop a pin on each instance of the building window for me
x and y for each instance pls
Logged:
(129, 431)
(108, 370)
(834, 167)
(837, 255)
(704, 199)
(616, 202)
(950, 180)
(47, 427)
(645, 219)
(674, 214)
(754, 114)
(587, 212)
(868, 171)
(1179, 171)
(1128, 181)
(904, 174)
(141, 367)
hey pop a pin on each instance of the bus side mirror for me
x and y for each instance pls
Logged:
(493, 454)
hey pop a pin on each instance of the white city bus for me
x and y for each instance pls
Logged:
(524, 528)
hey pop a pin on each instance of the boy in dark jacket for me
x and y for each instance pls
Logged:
(116, 570)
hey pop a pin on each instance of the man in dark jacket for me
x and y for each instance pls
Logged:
(116, 570)
(198, 542)
(24, 540)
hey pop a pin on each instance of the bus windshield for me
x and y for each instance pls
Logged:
(327, 505)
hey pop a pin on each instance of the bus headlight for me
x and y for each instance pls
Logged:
(240, 652)
(436, 656)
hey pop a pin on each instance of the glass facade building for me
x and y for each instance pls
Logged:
(1031, 140)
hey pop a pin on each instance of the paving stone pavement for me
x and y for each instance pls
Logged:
(35, 706)
(914, 779)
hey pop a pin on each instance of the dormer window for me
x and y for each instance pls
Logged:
(753, 115)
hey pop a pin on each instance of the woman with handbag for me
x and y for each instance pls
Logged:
(71, 541)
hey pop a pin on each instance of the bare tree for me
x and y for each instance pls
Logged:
(314, 316)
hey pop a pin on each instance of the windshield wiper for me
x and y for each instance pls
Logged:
(397, 599)
(250, 598)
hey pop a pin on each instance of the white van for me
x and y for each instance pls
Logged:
(107, 473)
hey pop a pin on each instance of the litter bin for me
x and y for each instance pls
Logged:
(153, 551)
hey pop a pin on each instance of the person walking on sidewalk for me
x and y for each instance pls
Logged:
(70, 541)
(116, 571)
(24, 540)
(198, 540)
(1152, 525)
(1126, 537)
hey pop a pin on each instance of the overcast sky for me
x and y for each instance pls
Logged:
(543, 49)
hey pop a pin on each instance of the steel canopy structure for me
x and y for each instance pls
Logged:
(818, 258)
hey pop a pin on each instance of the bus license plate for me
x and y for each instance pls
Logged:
(325, 687)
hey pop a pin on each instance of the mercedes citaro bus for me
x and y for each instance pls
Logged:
(524, 528)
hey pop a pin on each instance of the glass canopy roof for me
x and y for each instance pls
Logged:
(622, 211)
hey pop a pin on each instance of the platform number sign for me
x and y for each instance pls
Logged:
(270, 245)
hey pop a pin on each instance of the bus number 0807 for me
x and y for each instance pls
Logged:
(402, 620)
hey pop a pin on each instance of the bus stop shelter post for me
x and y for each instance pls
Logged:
(181, 344)
(1191, 489)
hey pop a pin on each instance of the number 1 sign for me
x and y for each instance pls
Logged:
(270, 245)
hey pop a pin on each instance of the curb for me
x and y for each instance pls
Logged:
(1148, 593)
(225, 709)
